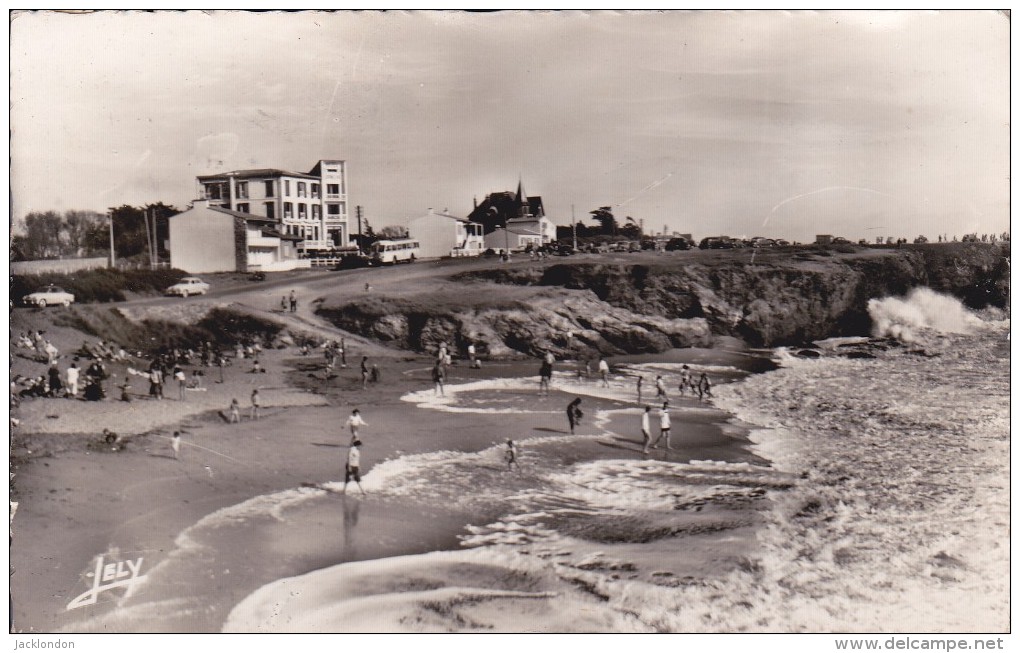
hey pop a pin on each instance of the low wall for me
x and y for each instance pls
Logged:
(63, 266)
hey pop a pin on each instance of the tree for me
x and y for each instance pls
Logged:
(392, 231)
(604, 216)
(42, 235)
(77, 227)
(631, 229)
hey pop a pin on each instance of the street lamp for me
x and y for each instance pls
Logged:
(113, 252)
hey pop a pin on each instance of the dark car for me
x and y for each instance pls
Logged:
(563, 249)
(677, 244)
(716, 242)
(839, 240)
(257, 276)
(352, 261)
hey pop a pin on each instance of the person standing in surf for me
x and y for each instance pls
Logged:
(660, 388)
(512, 455)
(438, 377)
(664, 427)
(364, 372)
(640, 382)
(646, 428)
(704, 386)
(574, 413)
(685, 380)
(604, 372)
(354, 423)
(544, 376)
(353, 468)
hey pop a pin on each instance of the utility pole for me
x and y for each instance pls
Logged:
(357, 210)
(113, 252)
(573, 225)
(148, 236)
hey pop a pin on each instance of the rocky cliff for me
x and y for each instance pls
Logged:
(650, 303)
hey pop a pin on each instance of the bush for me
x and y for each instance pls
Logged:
(96, 286)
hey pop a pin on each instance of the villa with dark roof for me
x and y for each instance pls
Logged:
(311, 207)
(513, 220)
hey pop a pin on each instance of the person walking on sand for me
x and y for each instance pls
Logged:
(660, 387)
(235, 411)
(354, 423)
(640, 382)
(255, 404)
(364, 372)
(604, 372)
(574, 413)
(182, 382)
(646, 428)
(473, 357)
(512, 455)
(343, 353)
(353, 468)
(664, 427)
(175, 445)
(438, 376)
(293, 302)
(283, 304)
(72, 380)
(704, 386)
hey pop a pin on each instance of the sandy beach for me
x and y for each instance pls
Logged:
(134, 500)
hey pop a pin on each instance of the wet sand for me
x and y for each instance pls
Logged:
(79, 499)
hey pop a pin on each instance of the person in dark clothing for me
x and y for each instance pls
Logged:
(574, 413)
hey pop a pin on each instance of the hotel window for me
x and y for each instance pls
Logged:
(332, 190)
(315, 232)
(270, 189)
(301, 212)
(302, 189)
(288, 210)
(315, 191)
(286, 187)
(333, 209)
(316, 211)
(242, 190)
(243, 208)
(215, 191)
(271, 210)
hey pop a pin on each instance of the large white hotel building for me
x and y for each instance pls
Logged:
(311, 206)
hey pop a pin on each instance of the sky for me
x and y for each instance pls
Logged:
(779, 124)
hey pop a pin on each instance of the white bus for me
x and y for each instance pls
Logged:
(394, 251)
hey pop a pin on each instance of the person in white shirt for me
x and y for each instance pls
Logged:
(353, 469)
(646, 427)
(72, 380)
(604, 372)
(354, 422)
(663, 427)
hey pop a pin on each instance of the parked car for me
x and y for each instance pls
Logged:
(257, 276)
(188, 286)
(677, 244)
(839, 240)
(761, 241)
(352, 261)
(782, 243)
(563, 249)
(49, 296)
(716, 242)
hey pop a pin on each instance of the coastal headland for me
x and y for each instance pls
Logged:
(80, 497)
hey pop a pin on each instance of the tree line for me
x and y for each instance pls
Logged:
(138, 232)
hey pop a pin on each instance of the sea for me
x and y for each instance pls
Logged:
(807, 494)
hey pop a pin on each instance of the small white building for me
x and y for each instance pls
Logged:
(442, 234)
(208, 238)
(518, 238)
